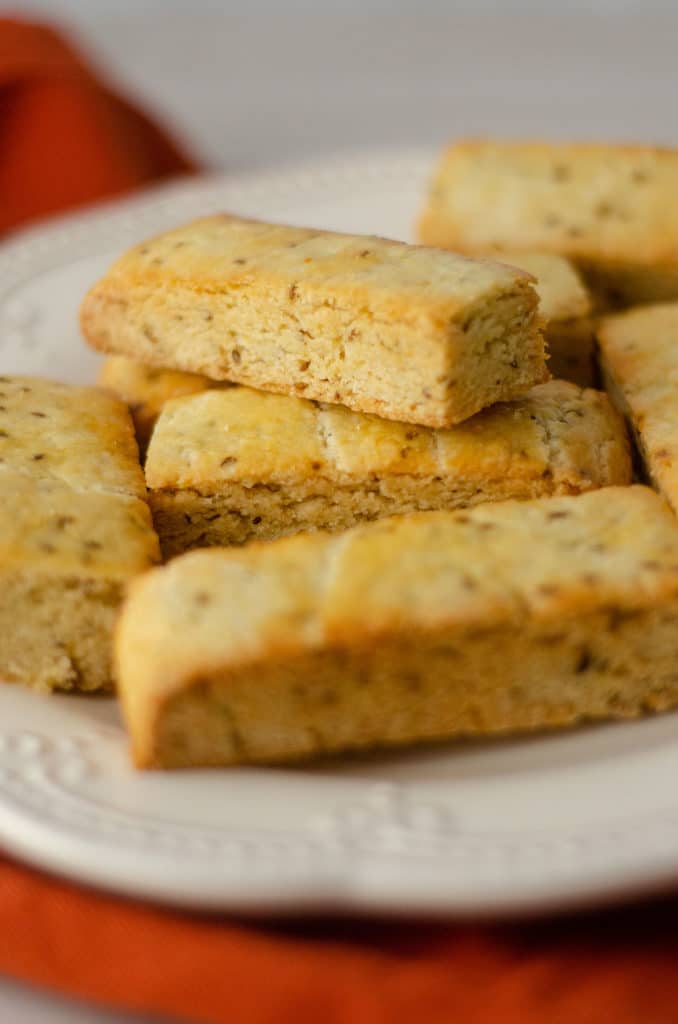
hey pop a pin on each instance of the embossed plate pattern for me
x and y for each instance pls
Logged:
(509, 826)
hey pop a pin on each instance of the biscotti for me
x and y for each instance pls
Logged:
(513, 616)
(224, 467)
(146, 389)
(611, 208)
(74, 529)
(639, 363)
(567, 308)
(412, 334)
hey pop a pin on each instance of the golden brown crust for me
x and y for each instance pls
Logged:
(608, 207)
(73, 492)
(639, 361)
(226, 466)
(79, 436)
(86, 532)
(146, 389)
(405, 332)
(201, 636)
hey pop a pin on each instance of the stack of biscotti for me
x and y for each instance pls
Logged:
(303, 382)
(404, 332)
(321, 332)
(445, 539)
(609, 208)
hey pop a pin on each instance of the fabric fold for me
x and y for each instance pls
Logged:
(66, 137)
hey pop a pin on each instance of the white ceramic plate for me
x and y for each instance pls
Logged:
(527, 825)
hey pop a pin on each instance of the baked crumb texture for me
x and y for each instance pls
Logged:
(408, 333)
(74, 528)
(567, 308)
(639, 363)
(146, 389)
(509, 616)
(225, 467)
(610, 208)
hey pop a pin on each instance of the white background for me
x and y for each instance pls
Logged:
(247, 90)
(283, 82)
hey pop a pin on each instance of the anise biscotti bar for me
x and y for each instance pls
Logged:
(227, 466)
(610, 208)
(74, 529)
(639, 362)
(146, 389)
(409, 333)
(519, 615)
(565, 304)
(567, 307)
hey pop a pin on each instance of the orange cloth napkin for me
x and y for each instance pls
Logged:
(620, 967)
(65, 137)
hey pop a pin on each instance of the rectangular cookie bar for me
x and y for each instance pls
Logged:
(610, 208)
(224, 467)
(518, 615)
(74, 529)
(639, 362)
(565, 304)
(567, 308)
(145, 389)
(405, 332)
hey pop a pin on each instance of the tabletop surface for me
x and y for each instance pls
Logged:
(253, 91)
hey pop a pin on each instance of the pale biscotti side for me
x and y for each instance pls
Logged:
(610, 208)
(507, 616)
(146, 389)
(412, 334)
(563, 296)
(639, 362)
(567, 307)
(74, 529)
(225, 467)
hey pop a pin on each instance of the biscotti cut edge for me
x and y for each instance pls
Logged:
(567, 307)
(63, 641)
